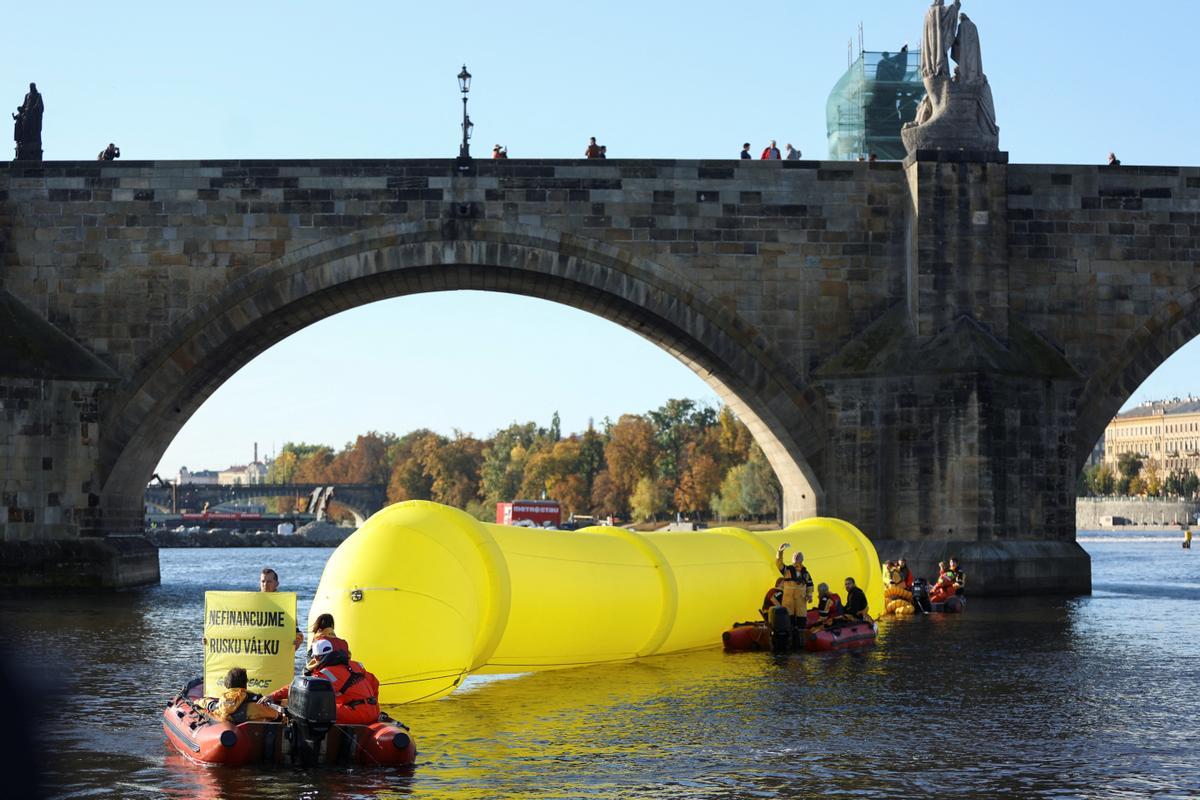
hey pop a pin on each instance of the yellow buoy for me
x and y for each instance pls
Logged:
(426, 594)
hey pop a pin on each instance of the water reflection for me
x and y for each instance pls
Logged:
(1092, 697)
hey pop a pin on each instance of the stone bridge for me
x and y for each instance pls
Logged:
(926, 349)
(360, 499)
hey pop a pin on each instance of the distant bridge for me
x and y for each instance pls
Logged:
(360, 499)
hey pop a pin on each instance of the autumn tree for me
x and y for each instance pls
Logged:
(733, 438)
(1129, 465)
(700, 476)
(1151, 479)
(1097, 480)
(555, 472)
(454, 468)
(677, 423)
(283, 468)
(502, 471)
(607, 497)
(648, 499)
(409, 479)
(749, 490)
(365, 461)
(591, 457)
(314, 467)
(630, 455)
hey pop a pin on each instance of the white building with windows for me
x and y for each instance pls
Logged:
(205, 477)
(1166, 432)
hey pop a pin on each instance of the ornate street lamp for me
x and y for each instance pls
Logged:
(464, 86)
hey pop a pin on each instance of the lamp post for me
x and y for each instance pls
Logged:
(464, 86)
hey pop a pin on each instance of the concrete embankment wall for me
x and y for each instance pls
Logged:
(1089, 511)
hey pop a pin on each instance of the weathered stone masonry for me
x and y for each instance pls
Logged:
(922, 349)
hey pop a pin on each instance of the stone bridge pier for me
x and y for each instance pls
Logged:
(928, 349)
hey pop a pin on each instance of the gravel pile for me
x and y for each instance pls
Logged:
(323, 532)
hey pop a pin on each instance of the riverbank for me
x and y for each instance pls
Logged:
(314, 534)
(333, 535)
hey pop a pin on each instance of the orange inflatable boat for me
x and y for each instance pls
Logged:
(302, 738)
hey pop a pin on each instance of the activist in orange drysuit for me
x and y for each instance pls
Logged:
(356, 690)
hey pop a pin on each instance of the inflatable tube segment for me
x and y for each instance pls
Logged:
(426, 594)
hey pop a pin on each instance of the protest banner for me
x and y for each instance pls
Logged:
(253, 630)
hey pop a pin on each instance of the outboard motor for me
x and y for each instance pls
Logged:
(920, 593)
(312, 710)
(780, 623)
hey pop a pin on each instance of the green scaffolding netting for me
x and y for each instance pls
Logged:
(871, 102)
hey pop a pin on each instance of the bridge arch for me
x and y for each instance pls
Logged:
(220, 335)
(1174, 324)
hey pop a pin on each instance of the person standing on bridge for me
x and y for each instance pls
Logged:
(268, 581)
(792, 154)
(771, 152)
(746, 152)
(593, 149)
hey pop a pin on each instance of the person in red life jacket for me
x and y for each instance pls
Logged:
(856, 604)
(906, 572)
(237, 705)
(773, 598)
(355, 689)
(322, 628)
(829, 606)
(959, 581)
(945, 584)
(771, 153)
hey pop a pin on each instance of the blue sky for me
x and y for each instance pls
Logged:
(1072, 80)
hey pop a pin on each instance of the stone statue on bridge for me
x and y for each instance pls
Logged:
(27, 126)
(940, 23)
(958, 112)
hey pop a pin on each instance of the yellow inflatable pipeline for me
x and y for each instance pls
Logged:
(426, 594)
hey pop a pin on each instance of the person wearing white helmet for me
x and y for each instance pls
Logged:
(356, 691)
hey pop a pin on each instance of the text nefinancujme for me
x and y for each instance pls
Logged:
(250, 619)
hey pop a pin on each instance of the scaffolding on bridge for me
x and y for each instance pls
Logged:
(870, 104)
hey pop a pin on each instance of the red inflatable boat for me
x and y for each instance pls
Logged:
(954, 604)
(745, 636)
(841, 637)
(201, 738)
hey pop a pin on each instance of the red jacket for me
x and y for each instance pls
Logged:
(830, 608)
(356, 692)
(771, 153)
(773, 597)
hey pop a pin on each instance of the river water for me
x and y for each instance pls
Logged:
(1083, 697)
